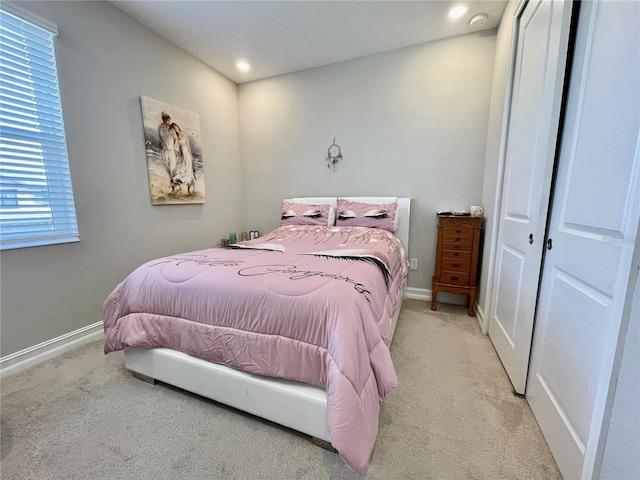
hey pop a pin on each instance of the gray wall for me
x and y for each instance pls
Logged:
(492, 173)
(106, 61)
(411, 122)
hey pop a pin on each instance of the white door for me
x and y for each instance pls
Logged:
(594, 220)
(542, 36)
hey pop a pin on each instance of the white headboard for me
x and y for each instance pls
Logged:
(404, 209)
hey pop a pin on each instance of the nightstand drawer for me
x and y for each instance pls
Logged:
(457, 254)
(456, 265)
(461, 232)
(454, 278)
(459, 245)
(466, 240)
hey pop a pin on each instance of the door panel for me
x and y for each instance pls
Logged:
(542, 33)
(573, 388)
(595, 214)
(530, 81)
(511, 269)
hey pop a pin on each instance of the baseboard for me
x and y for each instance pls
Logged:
(418, 293)
(481, 320)
(426, 295)
(51, 348)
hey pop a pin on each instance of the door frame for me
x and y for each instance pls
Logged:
(614, 346)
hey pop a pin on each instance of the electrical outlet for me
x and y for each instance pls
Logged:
(414, 264)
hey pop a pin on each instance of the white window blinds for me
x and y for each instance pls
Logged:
(37, 206)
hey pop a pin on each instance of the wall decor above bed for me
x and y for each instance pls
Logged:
(334, 155)
(174, 155)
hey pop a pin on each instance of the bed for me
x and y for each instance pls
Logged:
(294, 326)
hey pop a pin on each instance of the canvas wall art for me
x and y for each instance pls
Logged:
(174, 155)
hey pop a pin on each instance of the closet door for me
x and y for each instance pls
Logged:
(591, 237)
(542, 35)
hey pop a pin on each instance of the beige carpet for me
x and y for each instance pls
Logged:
(453, 416)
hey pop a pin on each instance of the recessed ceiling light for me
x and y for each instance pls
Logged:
(458, 11)
(242, 65)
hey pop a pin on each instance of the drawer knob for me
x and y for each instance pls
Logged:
(456, 254)
(457, 239)
(457, 247)
(454, 277)
(458, 231)
(455, 265)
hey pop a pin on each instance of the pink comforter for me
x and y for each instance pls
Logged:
(311, 304)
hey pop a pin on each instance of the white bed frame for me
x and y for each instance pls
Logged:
(296, 405)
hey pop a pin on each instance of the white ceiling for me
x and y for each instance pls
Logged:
(278, 37)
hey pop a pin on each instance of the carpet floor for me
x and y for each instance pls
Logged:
(453, 416)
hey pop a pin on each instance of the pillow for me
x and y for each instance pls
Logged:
(358, 214)
(304, 214)
(331, 201)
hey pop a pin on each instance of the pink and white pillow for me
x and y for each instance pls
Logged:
(358, 214)
(305, 214)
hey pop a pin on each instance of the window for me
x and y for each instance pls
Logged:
(36, 198)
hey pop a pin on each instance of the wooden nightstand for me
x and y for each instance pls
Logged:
(457, 258)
